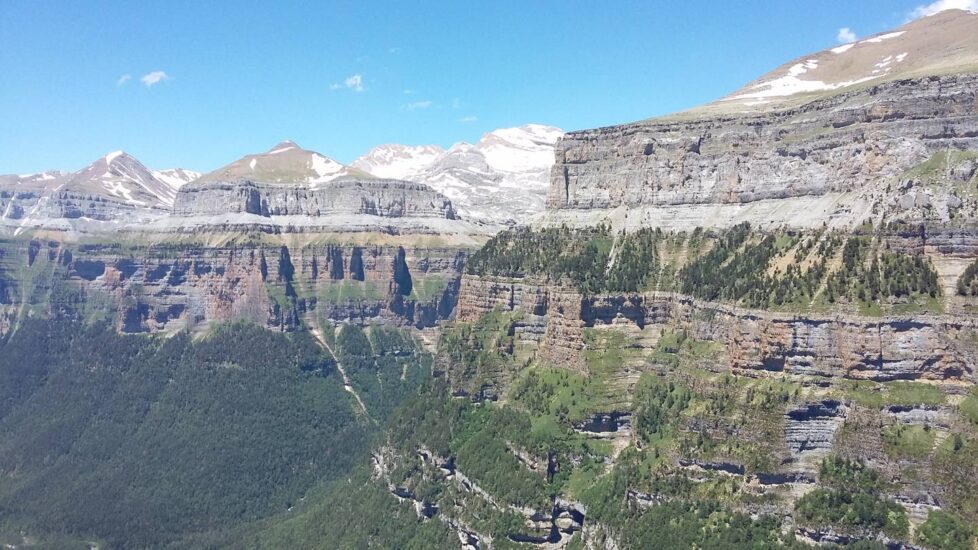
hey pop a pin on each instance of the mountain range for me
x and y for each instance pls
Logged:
(752, 324)
(503, 177)
(500, 180)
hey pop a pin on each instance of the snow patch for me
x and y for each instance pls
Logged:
(882, 37)
(176, 177)
(253, 162)
(791, 84)
(119, 189)
(282, 149)
(842, 49)
(398, 161)
(325, 168)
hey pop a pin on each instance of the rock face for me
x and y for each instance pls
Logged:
(828, 161)
(61, 206)
(823, 158)
(114, 188)
(165, 288)
(285, 190)
(810, 430)
(386, 198)
(754, 341)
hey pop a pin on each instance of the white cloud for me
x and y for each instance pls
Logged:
(467, 119)
(153, 78)
(846, 36)
(418, 105)
(353, 82)
(408, 91)
(123, 79)
(941, 5)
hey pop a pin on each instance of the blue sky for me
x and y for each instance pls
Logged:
(341, 77)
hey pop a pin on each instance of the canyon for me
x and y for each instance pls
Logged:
(751, 321)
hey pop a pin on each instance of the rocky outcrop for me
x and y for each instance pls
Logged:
(386, 198)
(828, 160)
(931, 347)
(598, 424)
(810, 429)
(116, 207)
(171, 287)
(30, 207)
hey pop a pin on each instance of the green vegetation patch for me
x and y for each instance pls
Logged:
(428, 286)
(658, 405)
(944, 531)
(784, 270)
(851, 500)
(939, 164)
(879, 395)
(357, 513)
(968, 281)
(481, 357)
(955, 466)
(344, 290)
(384, 365)
(969, 407)
(908, 441)
(565, 396)
(678, 347)
(141, 441)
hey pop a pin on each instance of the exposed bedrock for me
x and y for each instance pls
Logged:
(705, 170)
(167, 288)
(928, 347)
(937, 239)
(16, 206)
(386, 198)
(810, 429)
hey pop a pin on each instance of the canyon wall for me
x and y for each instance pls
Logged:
(914, 347)
(387, 198)
(18, 205)
(830, 160)
(169, 287)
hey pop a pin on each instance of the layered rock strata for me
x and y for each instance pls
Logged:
(171, 287)
(826, 161)
(387, 198)
(923, 347)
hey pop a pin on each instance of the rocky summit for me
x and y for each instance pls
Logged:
(752, 324)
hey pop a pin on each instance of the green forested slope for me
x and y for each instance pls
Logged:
(136, 441)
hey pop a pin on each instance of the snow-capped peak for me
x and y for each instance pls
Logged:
(522, 149)
(286, 145)
(503, 177)
(120, 176)
(398, 161)
(113, 155)
(286, 163)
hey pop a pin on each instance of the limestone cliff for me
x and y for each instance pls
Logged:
(802, 155)
(167, 287)
(925, 347)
